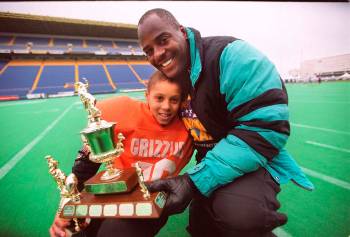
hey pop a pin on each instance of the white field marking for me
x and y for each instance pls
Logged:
(320, 102)
(281, 233)
(327, 178)
(40, 112)
(328, 146)
(318, 128)
(19, 156)
(22, 103)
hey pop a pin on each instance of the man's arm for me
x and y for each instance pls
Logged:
(257, 101)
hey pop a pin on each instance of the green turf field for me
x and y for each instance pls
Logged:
(320, 142)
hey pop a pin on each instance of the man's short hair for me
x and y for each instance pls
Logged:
(163, 14)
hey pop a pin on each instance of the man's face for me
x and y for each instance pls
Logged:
(165, 47)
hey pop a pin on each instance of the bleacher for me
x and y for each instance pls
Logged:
(17, 80)
(3, 64)
(144, 71)
(59, 53)
(51, 78)
(23, 40)
(98, 80)
(124, 78)
(27, 44)
(54, 79)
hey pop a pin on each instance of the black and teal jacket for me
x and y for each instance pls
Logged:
(238, 114)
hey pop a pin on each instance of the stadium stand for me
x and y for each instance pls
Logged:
(16, 81)
(19, 40)
(4, 39)
(55, 78)
(124, 78)
(33, 43)
(97, 77)
(65, 42)
(44, 56)
(144, 71)
(3, 63)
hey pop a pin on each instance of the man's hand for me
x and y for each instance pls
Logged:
(58, 227)
(180, 190)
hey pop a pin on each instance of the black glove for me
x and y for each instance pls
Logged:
(83, 167)
(180, 191)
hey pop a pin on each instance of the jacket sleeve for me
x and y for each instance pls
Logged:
(257, 104)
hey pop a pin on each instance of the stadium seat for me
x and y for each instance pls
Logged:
(17, 80)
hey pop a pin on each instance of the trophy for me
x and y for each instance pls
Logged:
(112, 193)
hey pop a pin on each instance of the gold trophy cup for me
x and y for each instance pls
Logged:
(112, 193)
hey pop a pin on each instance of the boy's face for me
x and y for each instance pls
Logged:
(164, 45)
(164, 100)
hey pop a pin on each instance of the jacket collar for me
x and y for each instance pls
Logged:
(195, 47)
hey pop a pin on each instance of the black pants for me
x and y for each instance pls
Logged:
(246, 207)
(123, 227)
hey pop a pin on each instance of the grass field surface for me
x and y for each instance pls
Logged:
(320, 142)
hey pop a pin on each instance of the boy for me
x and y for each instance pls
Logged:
(155, 137)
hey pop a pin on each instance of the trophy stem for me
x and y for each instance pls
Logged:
(110, 172)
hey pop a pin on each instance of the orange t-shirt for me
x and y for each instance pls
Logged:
(161, 151)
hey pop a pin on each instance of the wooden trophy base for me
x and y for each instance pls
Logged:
(123, 183)
(123, 205)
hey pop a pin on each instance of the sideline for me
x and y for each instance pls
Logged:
(328, 146)
(319, 128)
(320, 102)
(328, 179)
(19, 156)
(5, 104)
(281, 232)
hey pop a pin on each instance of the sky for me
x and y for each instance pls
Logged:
(287, 32)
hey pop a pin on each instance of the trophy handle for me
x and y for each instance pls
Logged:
(144, 190)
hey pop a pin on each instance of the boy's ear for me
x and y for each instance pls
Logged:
(146, 95)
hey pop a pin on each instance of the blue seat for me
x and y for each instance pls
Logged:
(34, 40)
(97, 78)
(144, 71)
(55, 79)
(123, 77)
(17, 80)
(5, 39)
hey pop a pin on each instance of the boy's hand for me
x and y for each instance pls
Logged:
(58, 227)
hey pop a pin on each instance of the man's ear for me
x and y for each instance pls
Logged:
(183, 31)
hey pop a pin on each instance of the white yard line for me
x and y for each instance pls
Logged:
(320, 102)
(281, 232)
(319, 128)
(327, 179)
(19, 156)
(328, 146)
(4, 104)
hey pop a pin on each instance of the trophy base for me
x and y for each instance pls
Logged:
(123, 183)
(124, 205)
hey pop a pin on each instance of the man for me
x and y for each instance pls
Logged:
(238, 118)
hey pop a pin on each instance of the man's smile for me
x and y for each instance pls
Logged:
(166, 63)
